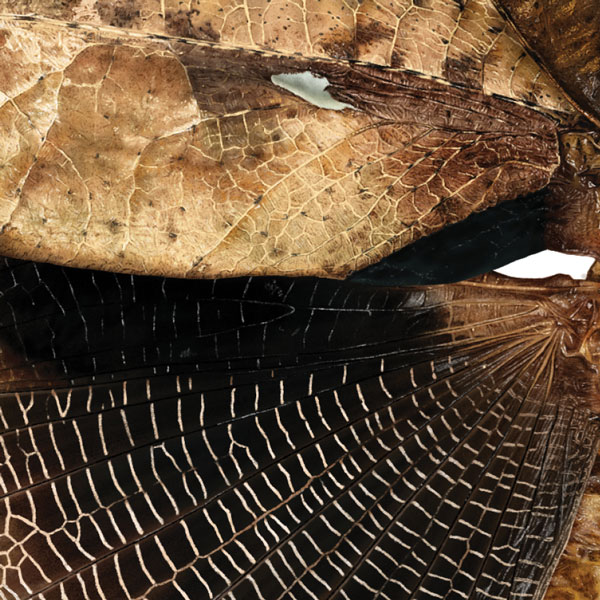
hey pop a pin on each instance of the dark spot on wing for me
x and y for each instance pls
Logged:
(191, 24)
(339, 46)
(368, 32)
(123, 13)
(464, 71)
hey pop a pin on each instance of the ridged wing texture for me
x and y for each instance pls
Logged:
(577, 574)
(574, 27)
(276, 438)
(465, 42)
(144, 147)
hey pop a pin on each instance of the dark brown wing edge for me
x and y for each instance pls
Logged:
(277, 438)
(563, 37)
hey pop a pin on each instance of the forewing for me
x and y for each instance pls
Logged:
(130, 150)
(466, 43)
(277, 438)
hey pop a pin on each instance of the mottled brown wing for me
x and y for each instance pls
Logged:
(577, 575)
(125, 146)
(564, 37)
(277, 438)
(466, 43)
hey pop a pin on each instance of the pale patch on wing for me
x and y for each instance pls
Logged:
(309, 87)
(546, 264)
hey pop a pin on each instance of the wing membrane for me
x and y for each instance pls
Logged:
(135, 149)
(465, 43)
(277, 438)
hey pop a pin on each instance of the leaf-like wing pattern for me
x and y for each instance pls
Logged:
(466, 43)
(278, 438)
(128, 147)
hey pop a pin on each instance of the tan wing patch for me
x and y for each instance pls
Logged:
(163, 158)
(458, 41)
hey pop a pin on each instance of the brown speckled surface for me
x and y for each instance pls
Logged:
(178, 156)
